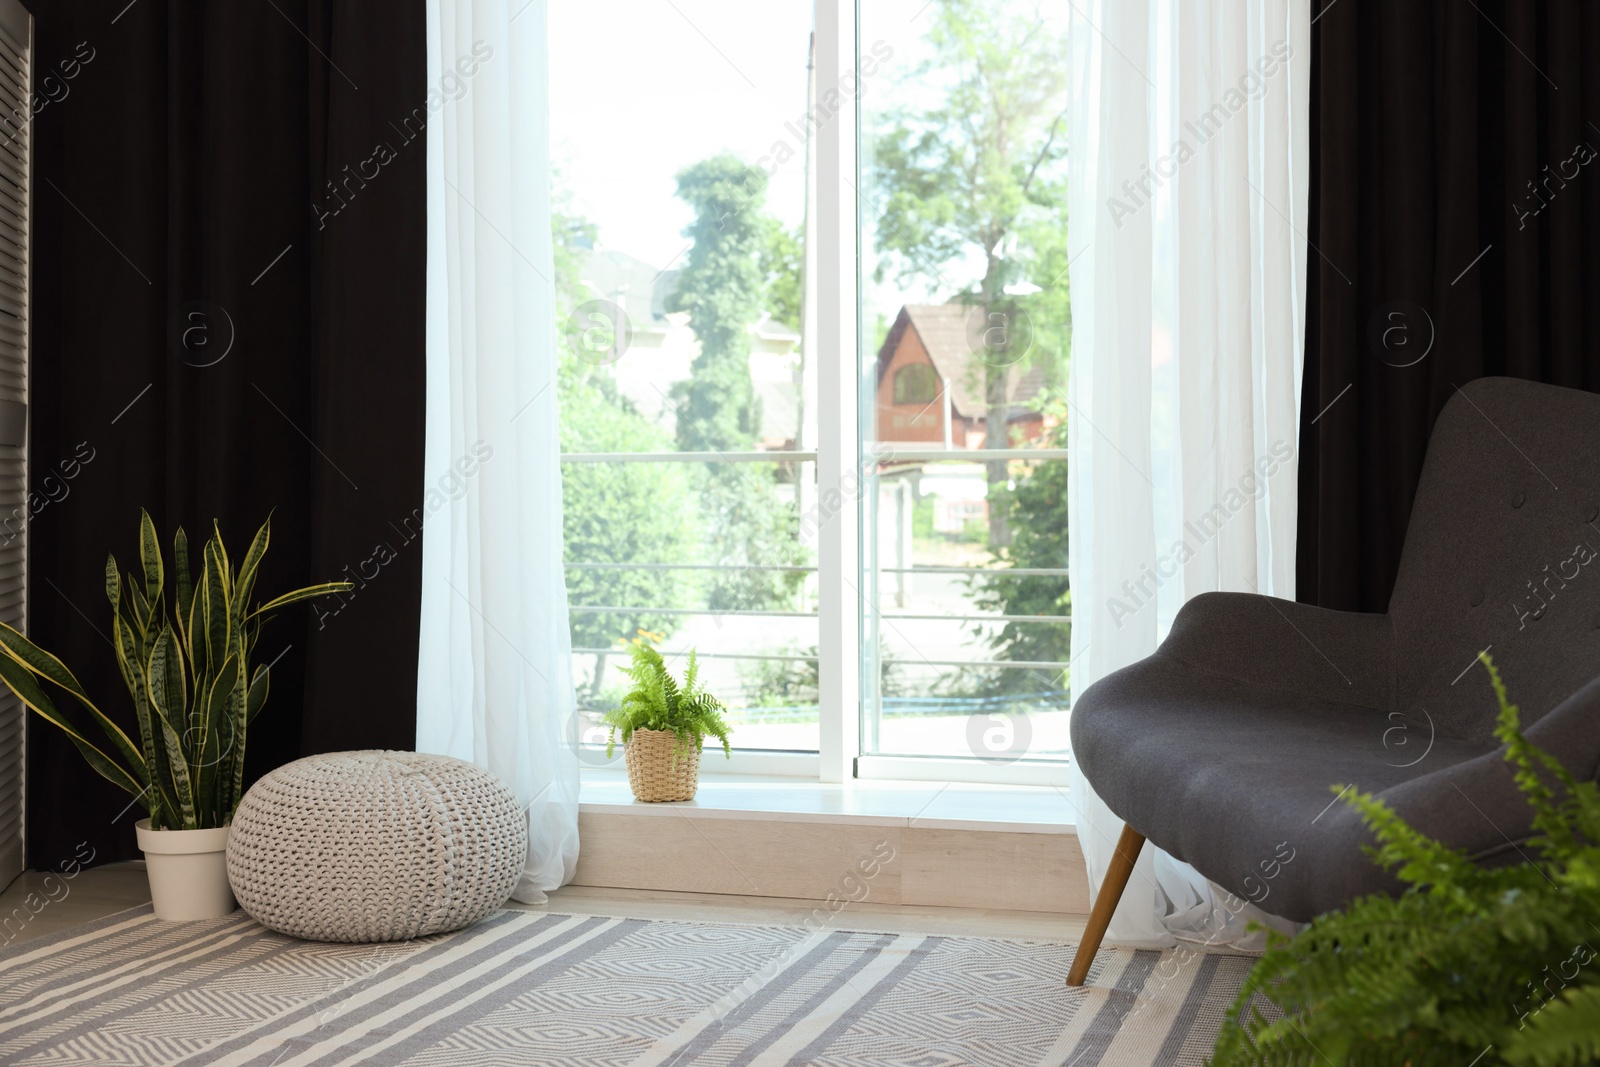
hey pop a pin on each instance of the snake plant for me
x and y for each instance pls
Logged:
(188, 673)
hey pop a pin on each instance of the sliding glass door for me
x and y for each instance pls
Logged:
(812, 285)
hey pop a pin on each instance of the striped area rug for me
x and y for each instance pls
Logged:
(528, 987)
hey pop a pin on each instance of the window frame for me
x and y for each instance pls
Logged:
(840, 606)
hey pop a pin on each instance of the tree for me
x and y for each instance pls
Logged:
(783, 268)
(721, 287)
(724, 288)
(982, 171)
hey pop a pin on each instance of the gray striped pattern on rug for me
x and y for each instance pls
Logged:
(529, 987)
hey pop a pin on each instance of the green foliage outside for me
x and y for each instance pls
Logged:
(1035, 510)
(781, 683)
(622, 513)
(750, 517)
(1468, 966)
(983, 170)
(658, 701)
(978, 170)
(721, 287)
(783, 272)
(615, 512)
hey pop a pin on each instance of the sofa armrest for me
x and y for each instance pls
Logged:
(1339, 656)
(1475, 805)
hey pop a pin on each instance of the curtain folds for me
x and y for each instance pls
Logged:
(494, 683)
(227, 321)
(1189, 131)
(1455, 198)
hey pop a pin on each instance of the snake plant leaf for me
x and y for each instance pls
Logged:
(209, 705)
(113, 583)
(167, 671)
(150, 557)
(246, 581)
(21, 682)
(237, 714)
(130, 661)
(194, 633)
(183, 805)
(129, 640)
(256, 699)
(222, 554)
(165, 684)
(42, 663)
(252, 632)
(213, 613)
(138, 604)
(310, 592)
(214, 726)
(180, 564)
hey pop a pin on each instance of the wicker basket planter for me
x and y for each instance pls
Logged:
(658, 768)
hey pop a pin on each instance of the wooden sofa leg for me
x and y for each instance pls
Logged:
(1105, 902)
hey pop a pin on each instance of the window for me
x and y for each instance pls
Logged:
(916, 384)
(858, 582)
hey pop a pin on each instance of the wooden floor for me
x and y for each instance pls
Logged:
(57, 905)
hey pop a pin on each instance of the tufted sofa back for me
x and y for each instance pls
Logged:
(1503, 552)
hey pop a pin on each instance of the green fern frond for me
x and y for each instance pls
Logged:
(1527, 761)
(691, 673)
(1566, 1030)
(658, 701)
(1467, 959)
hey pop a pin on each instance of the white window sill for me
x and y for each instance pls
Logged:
(920, 805)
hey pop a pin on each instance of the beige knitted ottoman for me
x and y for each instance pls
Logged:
(375, 846)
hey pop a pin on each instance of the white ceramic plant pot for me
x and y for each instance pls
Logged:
(188, 872)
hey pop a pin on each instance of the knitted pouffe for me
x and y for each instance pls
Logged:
(375, 846)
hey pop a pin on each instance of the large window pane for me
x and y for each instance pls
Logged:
(679, 147)
(965, 332)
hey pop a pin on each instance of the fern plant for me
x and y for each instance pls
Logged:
(188, 674)
(1467, 966)
(657, 701)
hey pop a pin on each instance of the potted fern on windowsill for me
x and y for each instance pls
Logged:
(663, 726)
(194, 696)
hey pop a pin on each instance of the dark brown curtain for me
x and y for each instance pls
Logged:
(1455, 219)
(227, 321)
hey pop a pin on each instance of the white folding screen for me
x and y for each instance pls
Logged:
(16, 82)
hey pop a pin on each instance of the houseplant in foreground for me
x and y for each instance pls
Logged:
(1467, 965)
(663, 725)
(194, 697)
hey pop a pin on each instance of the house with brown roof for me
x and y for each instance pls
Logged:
(931, 381)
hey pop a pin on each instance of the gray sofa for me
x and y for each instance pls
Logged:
(1221, 746)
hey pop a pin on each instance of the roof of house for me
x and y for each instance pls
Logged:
(944, 331)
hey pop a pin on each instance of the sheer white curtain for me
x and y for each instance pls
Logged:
(1190, 133)
(495, 682)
